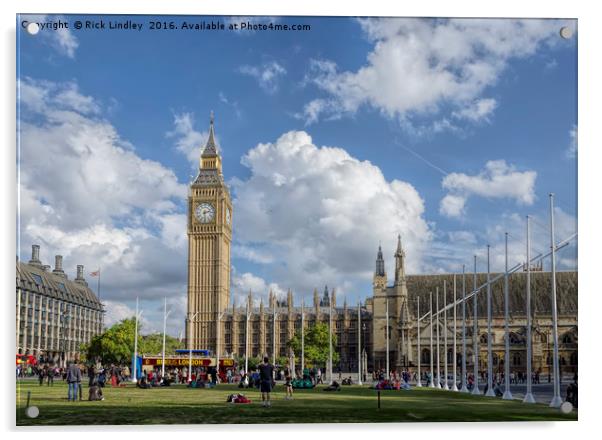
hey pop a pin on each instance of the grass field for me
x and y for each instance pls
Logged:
(179, 405)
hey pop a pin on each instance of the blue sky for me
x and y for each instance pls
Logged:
(448, 132)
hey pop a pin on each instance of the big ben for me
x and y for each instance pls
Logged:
(209, 238)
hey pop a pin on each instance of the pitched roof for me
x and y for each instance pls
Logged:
(35, 279)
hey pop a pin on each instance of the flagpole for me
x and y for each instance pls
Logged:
(135, 372)
(302, 336)
(431, 384)
(438, 384)
(490, 392)
(475, 331)
(464, 389)
(507, 393)
(359, 342)
(445, 385)
(98, 285)
(387, 336)
(419, 382)
(455, 361)
(529, 395)
(557, 399)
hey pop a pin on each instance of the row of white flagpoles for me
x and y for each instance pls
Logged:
(443, 383)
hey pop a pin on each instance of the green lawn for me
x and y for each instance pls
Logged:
(179, 405)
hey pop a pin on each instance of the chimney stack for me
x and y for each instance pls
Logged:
(58, 266)
(35, 255)
(80, 275)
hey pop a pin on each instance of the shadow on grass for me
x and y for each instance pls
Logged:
(178, 405)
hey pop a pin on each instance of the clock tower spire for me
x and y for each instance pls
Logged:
(209, 240)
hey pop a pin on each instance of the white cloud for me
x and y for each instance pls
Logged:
(189, 142)
(425, 67)
(571, 152)
(479, 110)
(319, 213)
(86, 194)
(450, 250)
(452, 205)
(247, 282)
(497, 180)
(267, 75)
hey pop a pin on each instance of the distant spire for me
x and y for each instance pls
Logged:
(399, 251)
(380, 263)
(211, 146)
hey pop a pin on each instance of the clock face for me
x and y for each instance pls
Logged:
(204, 212)
(228, 216)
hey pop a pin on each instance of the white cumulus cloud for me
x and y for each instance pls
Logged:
(320, 213)
(267, 75)
(497, 180)
(86, 194)
(426, 67)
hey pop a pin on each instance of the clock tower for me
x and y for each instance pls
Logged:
(209, 238)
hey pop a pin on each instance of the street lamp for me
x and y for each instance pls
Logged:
(135, 366)
(165, 315)
(190, 321)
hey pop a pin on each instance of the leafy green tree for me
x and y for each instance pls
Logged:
(116, 344)
(153, 344)
(316, 345)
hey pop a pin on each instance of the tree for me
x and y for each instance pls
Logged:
(116, 344)
(316, 345)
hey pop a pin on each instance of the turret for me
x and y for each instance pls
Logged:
(379, 281)
(400, 255)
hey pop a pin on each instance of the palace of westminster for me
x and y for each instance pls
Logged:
(214, 322)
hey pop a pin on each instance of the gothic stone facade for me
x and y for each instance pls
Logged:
(217, 324)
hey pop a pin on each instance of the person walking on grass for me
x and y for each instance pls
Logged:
(74, 377)
(266, 376)
(289, 386)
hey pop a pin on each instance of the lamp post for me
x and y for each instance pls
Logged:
(330, 340)
(135, 368)
(247, 318)
(191, 318)
(475, 331)
(419, 382)
(274, 314)
(359, 343)
(387, 334)
(218, 341)
(507, 393)
(302, 336)
(165, 315)
(490, 392)
(431, 384)
(464, 389)
(556, 400)
(529, 395)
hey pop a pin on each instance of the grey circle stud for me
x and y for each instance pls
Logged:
(566, 32)
(33, 28)
(566, 407)
(32, 412)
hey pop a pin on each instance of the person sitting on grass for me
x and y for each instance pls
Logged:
(334, 386)
(142, 383)
(95, 392)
